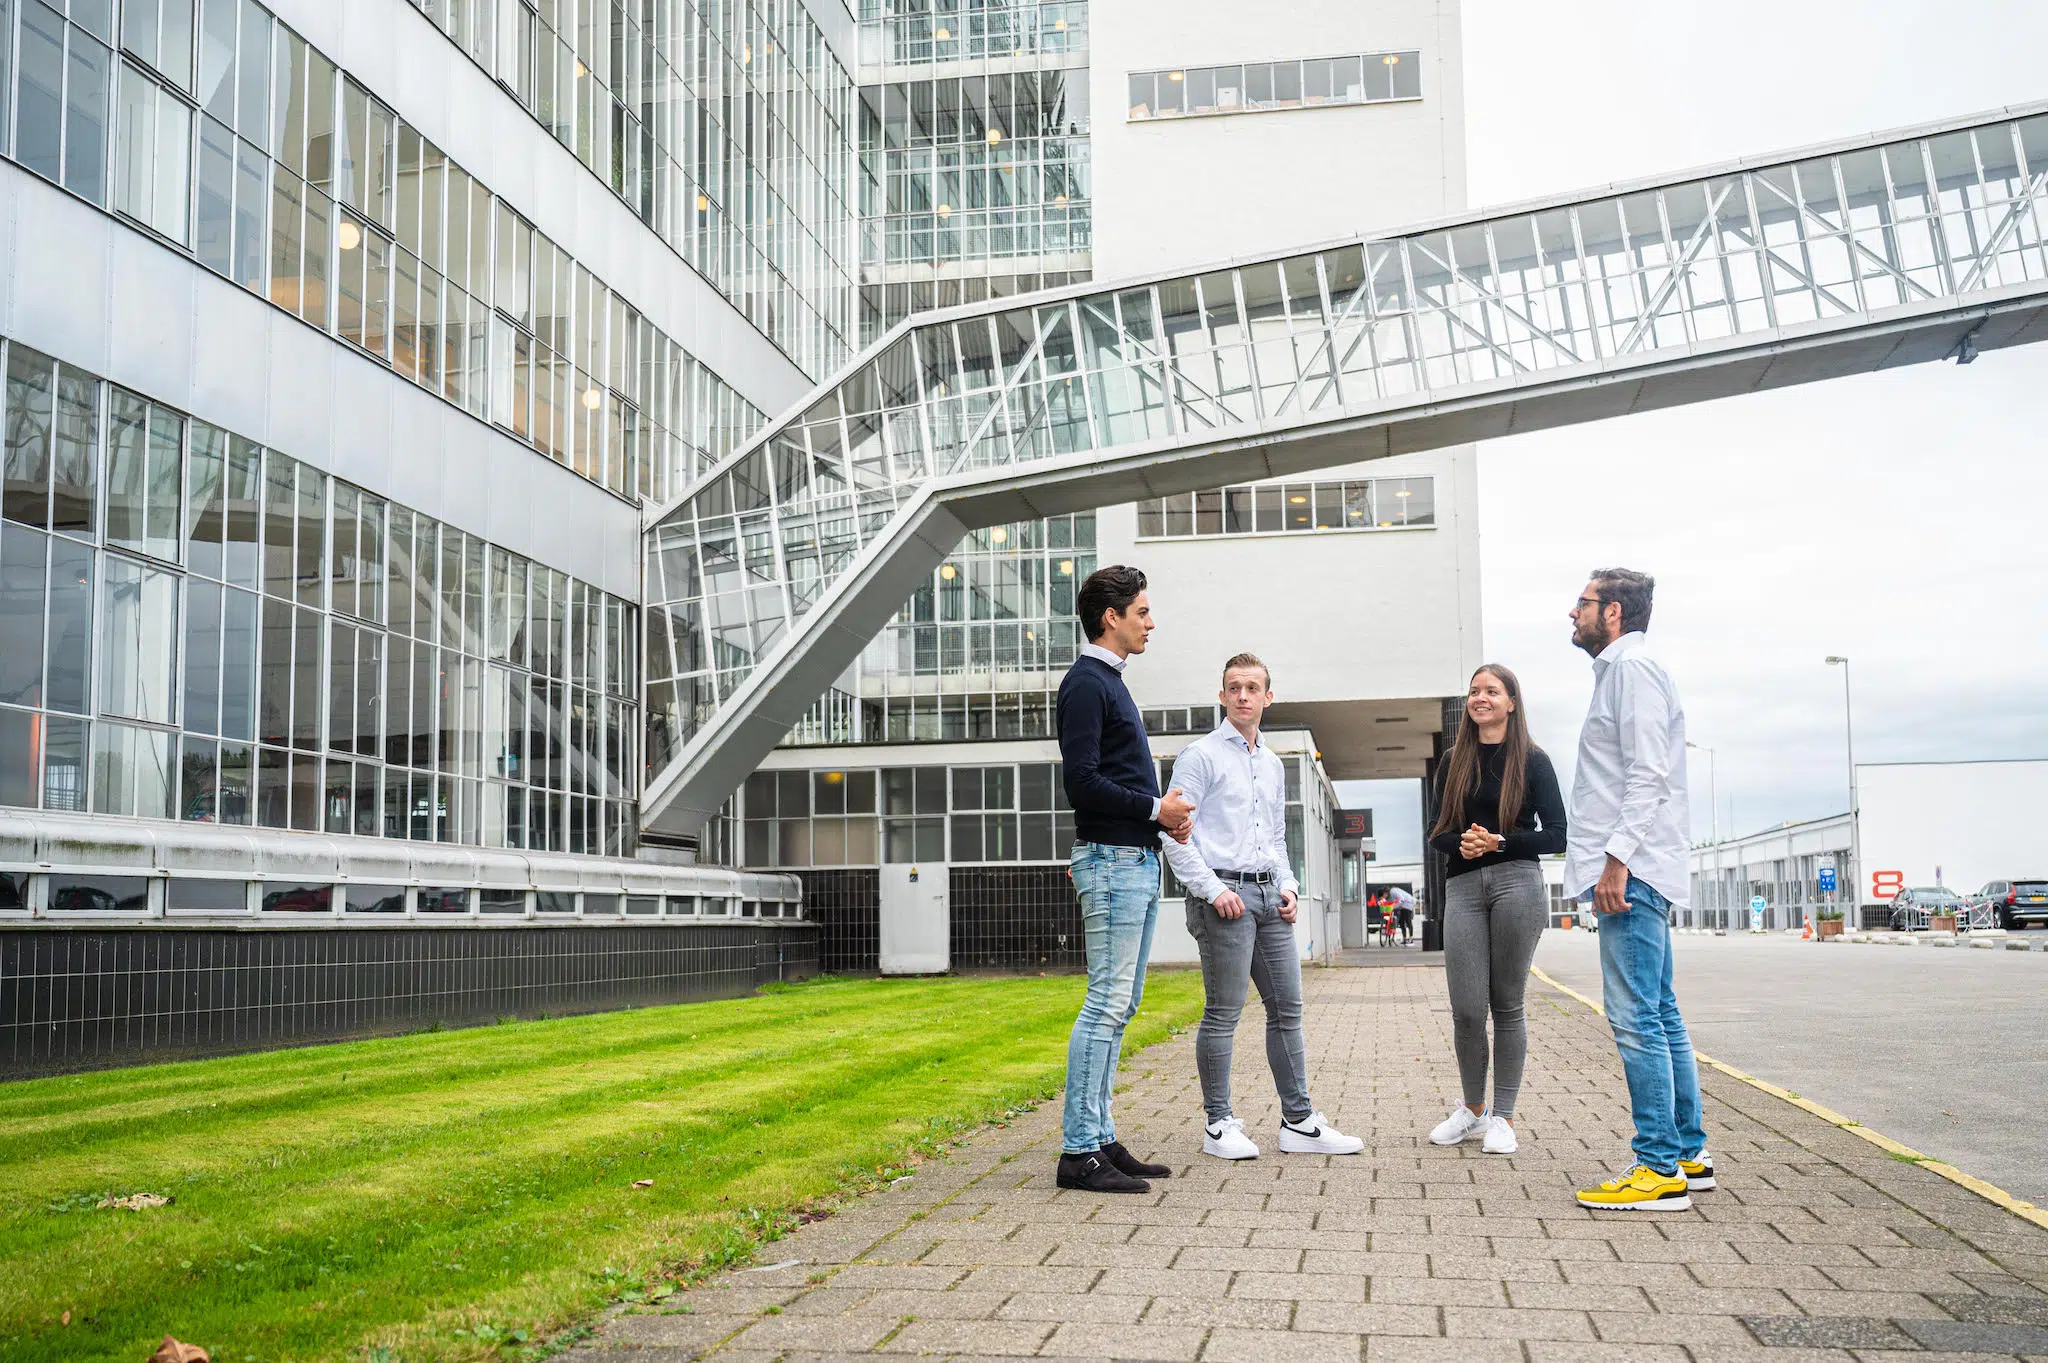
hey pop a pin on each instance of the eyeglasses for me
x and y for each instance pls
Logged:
(1586, 601)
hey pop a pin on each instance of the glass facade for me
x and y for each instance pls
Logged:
(1612, 281)
(1291, 508)
(726, 128)
(226, 135)
(1256, 87)
(974, 153)
(1003, 813)
(193, 626)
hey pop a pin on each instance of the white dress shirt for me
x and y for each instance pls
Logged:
(1103, 655)
(1629, 794)
(1240, 798)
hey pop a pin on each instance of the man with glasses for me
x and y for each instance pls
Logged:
(1627, 852)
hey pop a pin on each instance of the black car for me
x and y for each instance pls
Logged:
(1910, 910)
(2017, 902)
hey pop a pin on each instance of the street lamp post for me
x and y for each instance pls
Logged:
(1714, 817)
(1853, 880)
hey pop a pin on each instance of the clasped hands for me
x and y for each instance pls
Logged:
(1475, 842)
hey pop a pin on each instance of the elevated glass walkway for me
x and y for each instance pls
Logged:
(768, 577)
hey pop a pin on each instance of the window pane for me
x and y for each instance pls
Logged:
(75, 453)
(30, 414)
(85, 119)
(38, 110)
(23, 566)
(139, 645)
(70, 634)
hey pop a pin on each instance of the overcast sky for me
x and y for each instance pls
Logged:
(1900, 519)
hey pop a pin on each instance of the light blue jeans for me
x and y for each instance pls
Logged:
(1119, 890)
(1656, 1050)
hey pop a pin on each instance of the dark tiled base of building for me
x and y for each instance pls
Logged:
(846, 905)
(1015, 918)
(85, 998)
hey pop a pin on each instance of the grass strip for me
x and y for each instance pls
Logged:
(466, 1195)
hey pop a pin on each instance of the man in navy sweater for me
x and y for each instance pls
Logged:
(1118, 814)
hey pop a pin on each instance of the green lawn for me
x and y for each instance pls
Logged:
(465, 1195)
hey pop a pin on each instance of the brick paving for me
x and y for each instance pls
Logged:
(1818, 1246)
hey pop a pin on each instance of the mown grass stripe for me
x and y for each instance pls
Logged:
(485, 1176)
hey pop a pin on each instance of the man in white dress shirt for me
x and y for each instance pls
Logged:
(1241, 909)
(1630, 830)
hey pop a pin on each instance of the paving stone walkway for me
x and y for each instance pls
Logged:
(1819, 1245)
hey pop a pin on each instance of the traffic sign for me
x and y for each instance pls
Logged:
(1827, 880)
(1756, 913)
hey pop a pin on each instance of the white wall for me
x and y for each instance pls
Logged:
(1968, 821)
(1191, 190)
(1337, 615)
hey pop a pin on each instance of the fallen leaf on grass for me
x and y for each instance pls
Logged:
(643, 1183)
(136, 1202)
(171, 1351)
(64, 1319)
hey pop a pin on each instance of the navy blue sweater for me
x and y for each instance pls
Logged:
(1110, 779)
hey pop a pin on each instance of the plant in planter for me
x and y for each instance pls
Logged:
(1830, 921)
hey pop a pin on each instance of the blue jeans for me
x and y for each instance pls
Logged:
(1656, 1050)
(1119, 890)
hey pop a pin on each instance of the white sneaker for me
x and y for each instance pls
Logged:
(1313, 1135)
(1461, 1125)
(1500, 1137)
(1226, 1140)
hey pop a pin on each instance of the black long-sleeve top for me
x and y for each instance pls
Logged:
(1108, 771)
(1539, 828)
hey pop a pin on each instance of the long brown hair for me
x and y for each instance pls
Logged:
(1461, 769)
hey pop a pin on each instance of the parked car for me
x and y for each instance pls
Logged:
(1910, 910)
(2016, 902)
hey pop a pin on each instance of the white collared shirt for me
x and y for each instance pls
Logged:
(1103, 655)
(1629, 793)
(1240, 798)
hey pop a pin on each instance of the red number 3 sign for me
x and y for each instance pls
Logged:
(1886, 884)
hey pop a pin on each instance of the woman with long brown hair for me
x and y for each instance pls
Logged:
(1498, 810)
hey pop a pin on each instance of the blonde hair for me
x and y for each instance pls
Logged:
(1248, 660)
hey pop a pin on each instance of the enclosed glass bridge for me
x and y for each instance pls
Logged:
(768, 577)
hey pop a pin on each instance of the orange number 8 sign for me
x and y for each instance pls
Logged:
(1886, 884)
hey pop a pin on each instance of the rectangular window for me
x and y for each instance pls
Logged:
(87, 96)
(138, 647)
(39, 100)
(154, 159)
(1267, 509)
(1365, 78)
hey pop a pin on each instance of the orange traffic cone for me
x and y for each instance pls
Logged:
(1806, 933)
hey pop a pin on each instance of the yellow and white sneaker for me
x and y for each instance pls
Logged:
(1641, 1189)
(1698, 1173)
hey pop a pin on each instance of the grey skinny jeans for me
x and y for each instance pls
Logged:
(1492, 919)
(1255, 948)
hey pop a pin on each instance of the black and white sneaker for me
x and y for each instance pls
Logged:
(1313, 1135)
(1092, 1173)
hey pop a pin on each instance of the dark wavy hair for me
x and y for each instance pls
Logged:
(1107, 589)
(1461, 768)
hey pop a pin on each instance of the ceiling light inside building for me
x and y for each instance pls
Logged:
(1061, 25)
(1403, 493)
(945, 210)
(833, 778)
(1059, 200)
(1029, 636)
(703, 203)
(1390, 60)
(998, 535)
(1298, 500)
(1176, 75)
(948, 572)
(348, 236)
(592, 399)
(943, 33)
(1066, 567)
(581, 69)
(995, 137)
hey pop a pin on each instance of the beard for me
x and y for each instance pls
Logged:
(1590, 638)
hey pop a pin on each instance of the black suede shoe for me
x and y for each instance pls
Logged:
(1128, 1163)
(1094, 1174)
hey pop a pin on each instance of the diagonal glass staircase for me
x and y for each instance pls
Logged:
(769, 575)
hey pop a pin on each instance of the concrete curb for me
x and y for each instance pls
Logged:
(1991, 1193)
